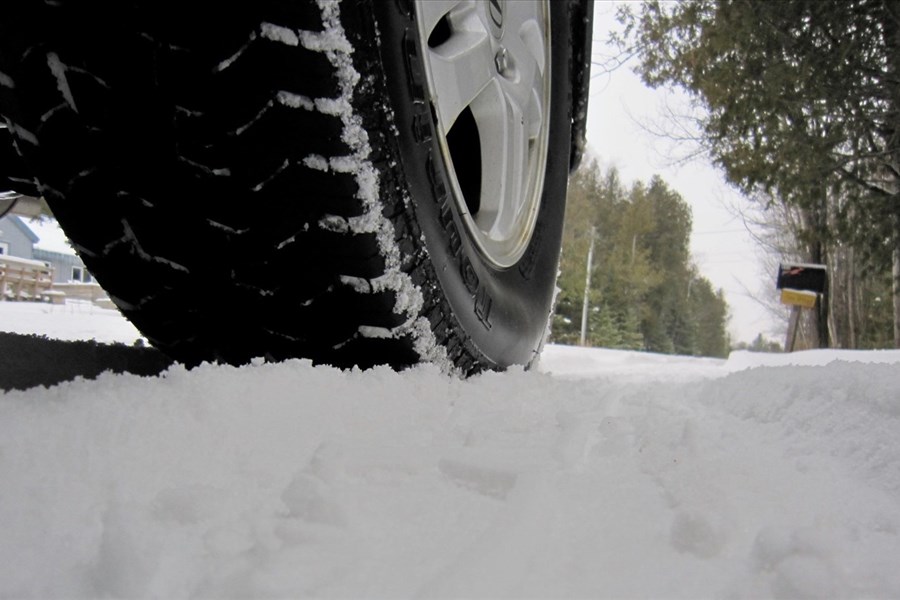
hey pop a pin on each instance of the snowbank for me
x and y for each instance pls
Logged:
(609, 475)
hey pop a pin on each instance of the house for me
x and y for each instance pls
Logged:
(67, 268)
(16, 239)
(70, 278)
(21, 277)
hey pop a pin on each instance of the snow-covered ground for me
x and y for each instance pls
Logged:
(604, 475)
(74, 320)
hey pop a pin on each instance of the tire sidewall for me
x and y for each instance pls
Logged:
(503, 312)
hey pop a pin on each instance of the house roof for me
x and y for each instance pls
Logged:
(20, 224)
(57, 257)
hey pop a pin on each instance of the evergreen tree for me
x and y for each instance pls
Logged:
(582, 212)
(710, 314)
(802, 104)
(641, 276)
(761, 344)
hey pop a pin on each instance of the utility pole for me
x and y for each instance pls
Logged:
(587, 288)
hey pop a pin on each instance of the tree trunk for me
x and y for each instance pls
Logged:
(851, 300)
(821, 322)
(895, 292)
(835, 298)
(815, 226)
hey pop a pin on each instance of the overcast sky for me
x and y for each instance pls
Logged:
(620, 110)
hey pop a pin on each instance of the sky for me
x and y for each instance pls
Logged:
(620, 110)
(50, 236)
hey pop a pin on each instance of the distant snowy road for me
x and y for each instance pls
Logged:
(608, 475)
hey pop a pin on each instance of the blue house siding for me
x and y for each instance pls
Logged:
(16, 239)
(65, 266)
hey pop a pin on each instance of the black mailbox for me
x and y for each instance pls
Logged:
(808, 278)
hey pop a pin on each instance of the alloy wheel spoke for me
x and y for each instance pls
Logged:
(462, 68)
(431, 12)
(496, 65)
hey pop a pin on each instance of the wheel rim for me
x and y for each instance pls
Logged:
(487, 66)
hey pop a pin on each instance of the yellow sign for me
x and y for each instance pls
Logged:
(798, 298)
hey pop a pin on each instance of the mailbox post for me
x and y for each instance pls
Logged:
(801, 285)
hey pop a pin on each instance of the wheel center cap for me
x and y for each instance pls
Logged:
(496, 10)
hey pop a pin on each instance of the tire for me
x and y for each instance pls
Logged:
(276, 180)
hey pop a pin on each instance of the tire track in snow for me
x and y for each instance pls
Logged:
(493, 565)
(497, 562)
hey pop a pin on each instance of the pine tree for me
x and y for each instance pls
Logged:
(802, 103)
(641, 277)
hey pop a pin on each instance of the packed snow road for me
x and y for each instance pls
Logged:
(607, 474)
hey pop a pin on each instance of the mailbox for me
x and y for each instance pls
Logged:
(802, 277)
